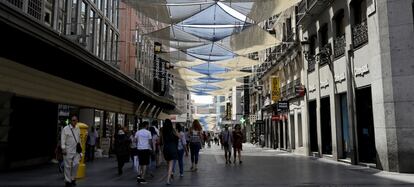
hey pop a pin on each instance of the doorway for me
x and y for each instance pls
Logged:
(313, 133)
(292, 131)
(326, 130)
(345, 137)
(365, 126)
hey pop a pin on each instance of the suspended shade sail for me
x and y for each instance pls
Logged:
(227, 84)
(169, 11)
(205, 88)
(260, 10)
(219, 92)
(180, 59)
(237, 63)
(209, 79)
(213, 33)
(176, 38)
(211, 52)
(187, 64)
(232, 75)
(175, 56)
(187, 83)
(208, 69)
(251, 40)
(213, 15)
(185, 73)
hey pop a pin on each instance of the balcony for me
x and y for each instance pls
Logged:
(360, 34)
(339, 46)
(324, 54)
(311, 64)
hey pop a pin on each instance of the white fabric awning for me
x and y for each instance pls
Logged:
(227, 84)
(169, 11)
(219, 92)
(176, 38)
(185, 73)
(260, 10)
(232, 75)
(251, 40)
(237, 63)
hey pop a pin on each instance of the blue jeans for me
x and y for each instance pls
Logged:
(180, 162)
(195, 149)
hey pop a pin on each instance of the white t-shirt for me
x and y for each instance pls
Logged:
(143, 137)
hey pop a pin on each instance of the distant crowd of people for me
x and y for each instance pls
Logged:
(147, 147)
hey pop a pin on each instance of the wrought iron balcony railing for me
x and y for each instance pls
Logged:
(360, 34)
(311, 64)
(339, 46)
(325, 54)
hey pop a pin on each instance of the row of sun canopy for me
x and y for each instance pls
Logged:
(209, 40)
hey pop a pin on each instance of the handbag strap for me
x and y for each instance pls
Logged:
(73, 135)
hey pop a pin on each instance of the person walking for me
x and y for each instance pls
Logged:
(195, 143)
(227, 139)
(144, 146)
(71, 151)
(237, 143)
(133, 150)
(91, 142)
(182, 148)
(156, 147)
(169, 139)
(122, 144)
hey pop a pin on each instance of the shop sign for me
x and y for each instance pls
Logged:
(275, 87)
(276, 118)
(300, 91)
(283, 105)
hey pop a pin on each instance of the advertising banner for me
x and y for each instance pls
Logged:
(275, 88)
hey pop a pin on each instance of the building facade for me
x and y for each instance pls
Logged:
(62, 58)
(358, 71)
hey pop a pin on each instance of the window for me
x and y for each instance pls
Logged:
(83, 21)
(359, 23)
(98, 37)
(359, 11)
(62, 16)
(109, 43)
(339, 23)
(34, 8)
(109, 10)
(92, 29)
(74, 16)
(105, 41)
(339, 40)
(115, 49)
(323, 35)
(116, 13)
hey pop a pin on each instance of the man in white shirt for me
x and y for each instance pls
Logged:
(144, 146)
(69, 138)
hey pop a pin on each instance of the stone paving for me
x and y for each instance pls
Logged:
(261, 167)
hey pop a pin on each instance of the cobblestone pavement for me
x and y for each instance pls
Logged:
(261, 167)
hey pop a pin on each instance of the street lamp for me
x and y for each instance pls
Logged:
(325, 52)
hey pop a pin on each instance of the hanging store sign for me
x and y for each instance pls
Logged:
(275, 87)
(276, 118)
(300, 90)
(283, 105)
